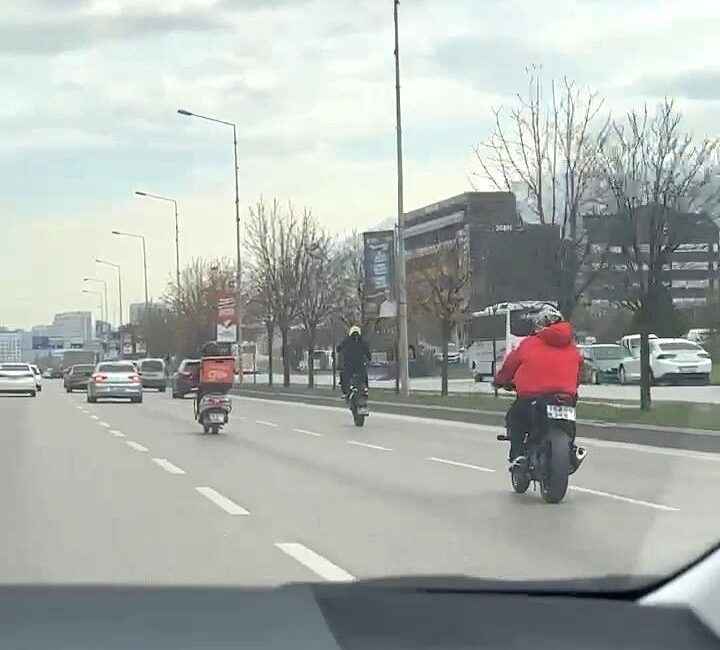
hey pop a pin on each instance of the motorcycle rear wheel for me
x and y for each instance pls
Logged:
(554, 487)
(358, 419)
(214, 429)
(520, 480)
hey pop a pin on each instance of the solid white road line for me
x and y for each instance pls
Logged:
(135, 445)
(265, 423)
(368, 445)
(168, 466)
(618, 497)
(219, 500)
(459, 464)
(316, 563)
(117, 434)
(95, 417)
(308, 433)
(104, 424)
(79, 408)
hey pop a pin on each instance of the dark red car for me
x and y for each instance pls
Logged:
(186, 379)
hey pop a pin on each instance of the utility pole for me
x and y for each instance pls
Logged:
(400, 262)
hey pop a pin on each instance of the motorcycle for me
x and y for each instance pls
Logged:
(212, 412)
(551, 455)
(358, 400)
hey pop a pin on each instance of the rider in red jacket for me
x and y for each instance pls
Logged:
(546, 362)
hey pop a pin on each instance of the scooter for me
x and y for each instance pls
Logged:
(358, 400)
(213, 411)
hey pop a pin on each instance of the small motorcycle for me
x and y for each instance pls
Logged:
(212, 412)
(551, 455)
(358, 400)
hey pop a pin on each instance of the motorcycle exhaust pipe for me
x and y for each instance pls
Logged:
(580, 454)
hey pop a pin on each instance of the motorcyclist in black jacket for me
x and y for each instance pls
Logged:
(355, 354)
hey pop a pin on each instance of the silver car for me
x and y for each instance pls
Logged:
(17, 378)
(115, 379)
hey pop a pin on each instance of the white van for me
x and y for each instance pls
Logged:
(153, 374)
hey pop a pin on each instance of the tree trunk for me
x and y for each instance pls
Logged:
(645, 373)
(311, 358)
(270, 325)
(444, 369)
(285, 356)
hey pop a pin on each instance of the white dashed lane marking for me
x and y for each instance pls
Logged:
(117, 434)
(95, 417)
(168, 466)
(619, 497)
(456, 463)
(135, 445)
(266, 423)
(219, 500)
(308, 433)
(367, 445)
(104, 424)
(316, 563)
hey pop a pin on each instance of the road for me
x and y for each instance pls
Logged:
(121, 493)
(610, 392)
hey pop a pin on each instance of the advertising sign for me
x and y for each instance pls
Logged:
(102, 329)
(379, 256)
(227, 326)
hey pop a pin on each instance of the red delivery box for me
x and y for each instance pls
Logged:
(217, 370)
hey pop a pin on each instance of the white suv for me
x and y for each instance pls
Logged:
(671, 360)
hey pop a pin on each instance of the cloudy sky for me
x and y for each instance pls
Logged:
(89, 92)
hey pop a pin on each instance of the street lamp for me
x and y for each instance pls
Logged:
(117, 268)
(142, 237)
(100, 296)
(107, 313)
(402, 289)
(177, 231)
(238, 313)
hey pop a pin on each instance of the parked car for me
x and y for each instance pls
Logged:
(671, 360)
(115, 379)
(78, 377)
(38, 377)
(454, 355)
(48, 373)
(601, 363)
(17, 378)
(153, 374)
(186, 379)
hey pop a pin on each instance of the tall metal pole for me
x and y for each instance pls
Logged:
(402, 289)
(120, 295)
(238, 267)
(177, 247)
(147, 300)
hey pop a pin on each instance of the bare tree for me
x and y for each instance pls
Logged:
(262, 308)
(549, 149)
(352, 272)
(439, 286)
(321, 287)
(277, 242)
(658, 175)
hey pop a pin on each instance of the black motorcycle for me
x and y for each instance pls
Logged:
(213, 411)
(551, 455)
(358, 400)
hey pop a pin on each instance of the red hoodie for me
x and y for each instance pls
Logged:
(544, 363)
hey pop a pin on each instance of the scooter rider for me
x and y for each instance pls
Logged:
(355, 354)
(546, 362)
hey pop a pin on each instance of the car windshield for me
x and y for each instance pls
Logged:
(509, 179)
(680, 346)
(116, 367)
(607, 352)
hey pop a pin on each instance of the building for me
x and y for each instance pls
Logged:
(73, 326)
(11, 345)
(691, 271)
(509, 260)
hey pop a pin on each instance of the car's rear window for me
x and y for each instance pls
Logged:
(607, 352)
(14, 366)
(680, 345)
(152, 366)
(189, 365)
(86, 368)
(116, 367)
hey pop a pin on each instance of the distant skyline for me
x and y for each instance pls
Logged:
(90, 90)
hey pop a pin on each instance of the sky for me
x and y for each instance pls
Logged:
(89, 94)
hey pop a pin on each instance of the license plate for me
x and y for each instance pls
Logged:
(363, 410)
(688, 368)
(217, 417)
(557, 412)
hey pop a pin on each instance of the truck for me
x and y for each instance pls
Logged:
(72, 357)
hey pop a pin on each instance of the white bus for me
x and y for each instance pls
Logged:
(497, 330)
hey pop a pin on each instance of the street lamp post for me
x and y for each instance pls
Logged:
(402, 289)
(117, 268)
(144, 252)
(238, 267)
(104, 283)
(177, 230)
(100, 304)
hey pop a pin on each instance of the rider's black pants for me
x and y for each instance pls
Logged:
(518, 421)
(346, 376)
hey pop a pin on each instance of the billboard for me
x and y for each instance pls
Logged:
(227, 325)
(102, 329)
(379, 257)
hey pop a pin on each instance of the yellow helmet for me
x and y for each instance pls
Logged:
(354, 331)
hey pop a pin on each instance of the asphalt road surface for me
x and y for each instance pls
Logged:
(122, 493)
(609, 392)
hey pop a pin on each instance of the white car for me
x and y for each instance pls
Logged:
(671, 360)
(38, 377)
(18, 378)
